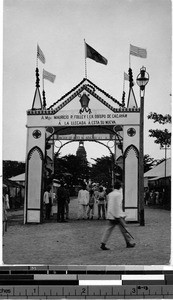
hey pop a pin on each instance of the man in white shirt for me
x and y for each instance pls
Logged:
(116, 216)
(83, 201)
(47, 201)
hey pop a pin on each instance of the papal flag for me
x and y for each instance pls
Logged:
(48, 76)
(40, 54)
(93, 54)
(137, 51)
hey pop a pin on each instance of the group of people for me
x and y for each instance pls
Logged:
(62, 197)
(6, 207)
(109, 207)
(154, 196)
(88, 197)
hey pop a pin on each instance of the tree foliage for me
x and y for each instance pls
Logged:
(159, 118)
(149, 163)
(102, 170)
(162, 137)
(71, 168)
(12, 168)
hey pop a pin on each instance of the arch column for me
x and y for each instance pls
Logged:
(35, 157)
(131, 172)
(49, 155)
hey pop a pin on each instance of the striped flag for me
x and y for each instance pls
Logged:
(93, 54)
(136, 51)
(48, 76)
(126, 76)
(40, 55)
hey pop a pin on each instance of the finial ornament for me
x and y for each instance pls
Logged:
(131, 78)
(44, 99)
(123, 99)
(37, 78)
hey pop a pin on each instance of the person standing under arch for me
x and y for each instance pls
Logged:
(61, 198)
(47, 200)
(101, 199)
(90, 212)
(83, 201)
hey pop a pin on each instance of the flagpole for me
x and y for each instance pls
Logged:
(37, 57)
(44, 97)
(37, 71)
(85, 60)
(123, 95)
(129, 58)
(43, 80)
(124, 85)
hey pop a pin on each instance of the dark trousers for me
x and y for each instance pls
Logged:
(101, 207)
(61, 211)
(67, 209)
(48, 210)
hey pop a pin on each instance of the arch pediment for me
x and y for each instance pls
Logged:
(84, 105)
(92, 91)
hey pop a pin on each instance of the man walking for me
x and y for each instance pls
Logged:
(115, 216)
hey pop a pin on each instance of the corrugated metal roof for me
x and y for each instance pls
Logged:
(11, 183)
(159, 170)
(20, 177)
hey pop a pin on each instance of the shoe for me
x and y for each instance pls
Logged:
(91, 218)
(129, 245)
(103, 247)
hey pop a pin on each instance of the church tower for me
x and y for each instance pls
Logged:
(81, 152)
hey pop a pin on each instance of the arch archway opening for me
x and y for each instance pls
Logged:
(110, 140)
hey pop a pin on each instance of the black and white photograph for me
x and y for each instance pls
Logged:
(86, 132)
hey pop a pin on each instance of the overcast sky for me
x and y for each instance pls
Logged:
(60, 27)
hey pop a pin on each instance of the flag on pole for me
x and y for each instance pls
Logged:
(93, 54)
(48, 76)
(136, 51)
(126, 76)
(40, 55)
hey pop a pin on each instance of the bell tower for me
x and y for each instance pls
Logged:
(81, 152)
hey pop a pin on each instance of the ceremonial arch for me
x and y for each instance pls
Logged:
(88, 113)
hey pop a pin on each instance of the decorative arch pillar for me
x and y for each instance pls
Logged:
(34, 175)
(49, 155)
(131, 172)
